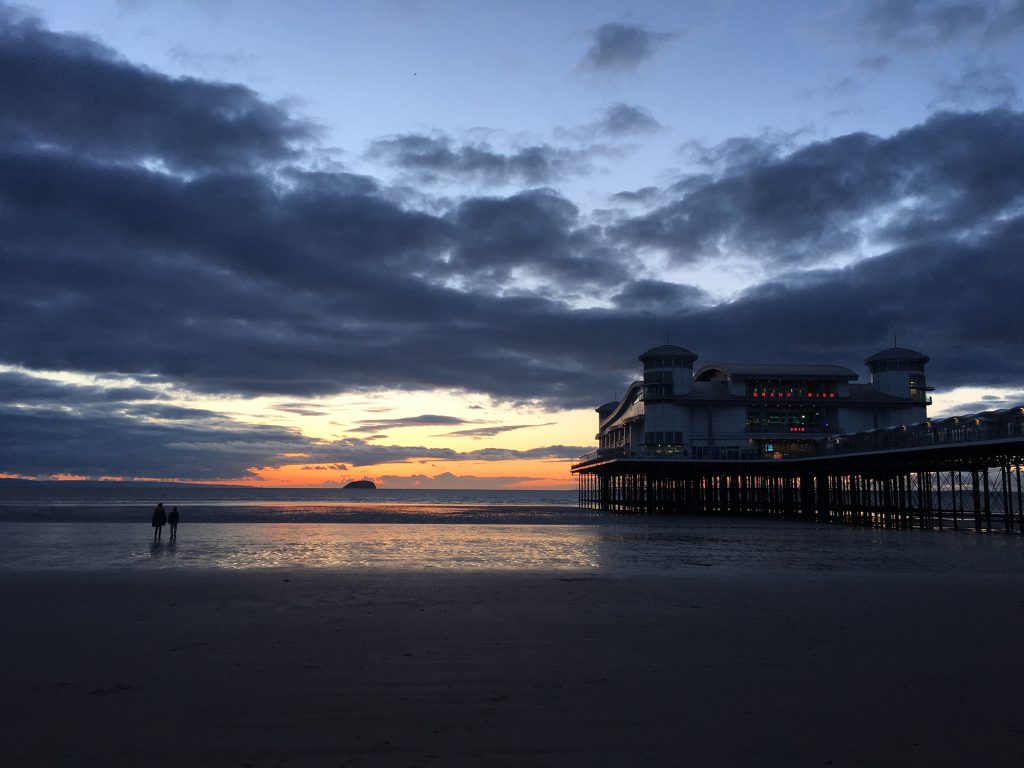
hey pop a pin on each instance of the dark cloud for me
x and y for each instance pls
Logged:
(549, 452)
(64, 429)
(656, 296)
(619, 47)
(433, 159)
(740, 151)
(626, 120)
(300, 409)
(30, 391)
(930, 294)
(238, 278)
(534, 233)
(68, 92)
(954, 175)
(79, 437)
(644, 195)
(359, 453)
(479, 432)
(425, 420)
(449, 481)
(931, 23)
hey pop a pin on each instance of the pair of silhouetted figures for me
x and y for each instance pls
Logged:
(161, 518)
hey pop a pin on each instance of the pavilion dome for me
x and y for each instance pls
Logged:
(897, 353)
(668, 350)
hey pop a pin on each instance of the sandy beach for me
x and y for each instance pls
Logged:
(703, 667)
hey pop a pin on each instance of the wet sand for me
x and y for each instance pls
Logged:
(702, 667)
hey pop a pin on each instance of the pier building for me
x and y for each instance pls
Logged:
(755, 410)
(806, 442)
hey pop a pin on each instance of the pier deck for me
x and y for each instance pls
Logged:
(974, 484)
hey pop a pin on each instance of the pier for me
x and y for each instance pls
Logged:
(957, 473)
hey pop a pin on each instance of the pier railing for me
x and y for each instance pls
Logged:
(992, 425)
(981, 427)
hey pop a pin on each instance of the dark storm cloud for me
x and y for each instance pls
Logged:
(954, 175)
(622, 47)
(432, 159)
(67, 91)
(929, 23)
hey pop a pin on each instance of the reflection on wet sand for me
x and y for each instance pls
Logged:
(272, 545)
(418, 547)
(693, 545)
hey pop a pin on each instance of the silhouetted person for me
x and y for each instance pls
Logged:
(172, 520)
(159, 519)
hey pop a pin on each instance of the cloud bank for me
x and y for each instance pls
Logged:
(171, 230)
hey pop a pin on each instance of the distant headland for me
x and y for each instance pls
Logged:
(360, 484)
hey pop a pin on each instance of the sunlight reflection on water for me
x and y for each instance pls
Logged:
(694, 545)
(273, 545)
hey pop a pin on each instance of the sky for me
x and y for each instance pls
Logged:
(308, 242)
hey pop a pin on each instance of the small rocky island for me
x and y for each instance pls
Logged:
(360, 484)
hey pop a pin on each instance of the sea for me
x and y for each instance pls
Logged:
(93, 528)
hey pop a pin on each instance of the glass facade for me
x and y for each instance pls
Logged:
(663, 438)
(883, 366)
(918, 390)
(657, 384)
(663, 362)
(782, 418)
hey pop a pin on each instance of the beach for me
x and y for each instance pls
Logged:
(789, 659)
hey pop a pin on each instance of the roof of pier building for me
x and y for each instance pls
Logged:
(745, 371)
(896, 353)
(668, 350)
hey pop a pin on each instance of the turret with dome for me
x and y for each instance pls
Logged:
(899, 372)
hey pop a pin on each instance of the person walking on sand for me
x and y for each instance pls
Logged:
(159, 519)
(172, 520)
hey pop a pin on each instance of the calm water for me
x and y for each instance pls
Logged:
(287, 505)
(103, 528)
